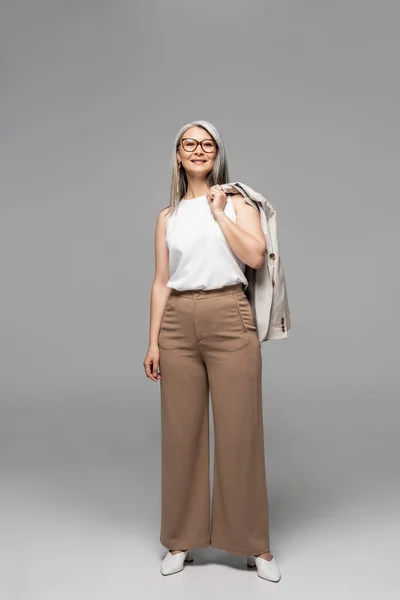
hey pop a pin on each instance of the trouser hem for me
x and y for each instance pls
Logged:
(240, 551)
(190, 545)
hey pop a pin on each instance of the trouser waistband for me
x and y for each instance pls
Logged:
(227, 289)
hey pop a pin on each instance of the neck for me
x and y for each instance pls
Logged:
(196, 188)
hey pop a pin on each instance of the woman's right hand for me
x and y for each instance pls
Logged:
(151, 363)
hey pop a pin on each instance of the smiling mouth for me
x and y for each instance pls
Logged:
(199, 161)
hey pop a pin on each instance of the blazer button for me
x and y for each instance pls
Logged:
(272, 255)
(282, 320)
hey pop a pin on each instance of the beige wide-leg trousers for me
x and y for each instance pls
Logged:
(209, 344)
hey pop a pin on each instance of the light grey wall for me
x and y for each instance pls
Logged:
(306, 95)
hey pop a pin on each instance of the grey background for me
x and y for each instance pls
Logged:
(306, 97)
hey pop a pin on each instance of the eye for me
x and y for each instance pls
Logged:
(189, 145)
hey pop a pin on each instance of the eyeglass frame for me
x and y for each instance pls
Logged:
(197, 144)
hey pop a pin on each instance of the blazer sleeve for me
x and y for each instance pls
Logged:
(280, 321)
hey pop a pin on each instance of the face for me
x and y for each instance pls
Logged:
(197, 161)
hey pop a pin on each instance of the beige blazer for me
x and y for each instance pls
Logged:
(267, 290)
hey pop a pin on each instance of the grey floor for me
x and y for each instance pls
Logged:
(80, 502)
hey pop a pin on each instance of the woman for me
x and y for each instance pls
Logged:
(203, 340)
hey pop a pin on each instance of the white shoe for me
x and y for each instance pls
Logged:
(267, 569)
(173, 563)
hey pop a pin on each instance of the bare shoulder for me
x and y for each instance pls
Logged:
(239, 202)
(163, 214)
(161, 224)
(248, 217)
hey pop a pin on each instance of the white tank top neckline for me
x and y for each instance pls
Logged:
(190, 199)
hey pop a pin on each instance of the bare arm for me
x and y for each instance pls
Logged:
(159, 291)
(159, 296)
(245, 237)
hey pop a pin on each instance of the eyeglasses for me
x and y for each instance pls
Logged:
(190, 145)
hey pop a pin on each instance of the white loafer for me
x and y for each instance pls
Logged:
(266, 569)
(173, 563)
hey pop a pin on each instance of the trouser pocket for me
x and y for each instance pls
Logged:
(245, 312)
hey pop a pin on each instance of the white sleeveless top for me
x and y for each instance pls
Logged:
(200, 258)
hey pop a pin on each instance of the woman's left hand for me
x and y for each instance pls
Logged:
(216, 199)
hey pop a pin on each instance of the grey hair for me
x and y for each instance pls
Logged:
(218, 175)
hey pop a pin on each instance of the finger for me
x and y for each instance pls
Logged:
(151, 376)
(149, 372)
